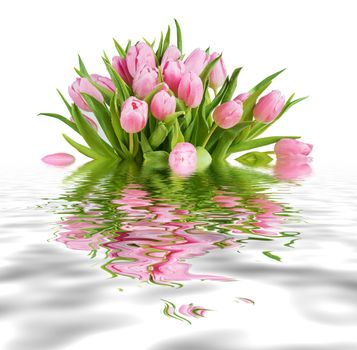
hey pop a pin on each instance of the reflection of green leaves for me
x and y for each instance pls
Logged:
(170, 311)
(272, 256)
(255, 159)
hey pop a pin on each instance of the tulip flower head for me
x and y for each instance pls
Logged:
(172, 73)
(183, 159)
(120, 65)
(190, 89)
(172, 53)
(291, 148)
(134, 115)
(242, 97)
(163, 105)
(228, 114)
(138, 56)
(144, 81)
(196, 61)
(269, 107)
(219, 72)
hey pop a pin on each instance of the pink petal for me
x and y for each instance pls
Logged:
(58, 159)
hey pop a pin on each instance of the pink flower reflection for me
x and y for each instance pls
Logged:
(191, 310)
(292, 168)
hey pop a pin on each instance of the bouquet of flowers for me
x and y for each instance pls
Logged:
(159, 106)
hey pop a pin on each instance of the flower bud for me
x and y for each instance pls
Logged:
(172, 73)
(269, 107)
(138, 56)
(183, 159)
(120, 65)
(134, 115)
(172, 53)
(219, 73)
(144, 81)
(291, 148)
(190, 89)
(196, 61)
(83, 85)
(242, 97)
(228, 114)
(163, 105)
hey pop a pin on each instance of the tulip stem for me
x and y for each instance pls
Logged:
(209, 135)
(131, 143)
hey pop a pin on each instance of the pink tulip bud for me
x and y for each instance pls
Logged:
(144, 81)
(59, 159)
(119, 64)
(190, 89)
(90, 121)
(228, 114)
(291, 148)
(163, 105)
(138, 56)
(172, 74)
(196, 61)
(134, 115)
(269, 107)
(103, 81)
(83, 85)
(242, 97)
(183, 159)
(172, 53)
(292, 169)
(219, 73)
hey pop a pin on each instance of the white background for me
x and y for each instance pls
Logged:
(315, 40)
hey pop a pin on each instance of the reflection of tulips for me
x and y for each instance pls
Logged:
(292, 169)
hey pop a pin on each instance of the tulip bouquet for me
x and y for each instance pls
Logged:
(159, 106)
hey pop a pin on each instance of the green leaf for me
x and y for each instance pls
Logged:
(82, 149)
(104, 118)
(82, 67)
(128, 45)
(170, 119)
(255, 159)
(218, 98)
(250, 144)
(145, 145)
(92, 138)
(158, 53)
(65, 101)
(166, 40)
(156, 159)
(175, 135)
(62, 119)
(202, 128)
(231, 88)
(266, 81)
(158, 136)
(204, 159)
(207, 70)
(178, 35)
(120, 50)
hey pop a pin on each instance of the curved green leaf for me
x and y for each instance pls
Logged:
(82, 149)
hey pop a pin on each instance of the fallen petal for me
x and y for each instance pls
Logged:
(58, 159)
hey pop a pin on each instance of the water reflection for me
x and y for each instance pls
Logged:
(149, 224)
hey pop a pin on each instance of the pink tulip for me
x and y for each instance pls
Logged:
(269, 107)
(58, 159)
(190, 89)
(183, 159)
(103, 81)
(83, 85)
(144, 81)
(163, 105)
(120, 65)
(219, 73)
(172, 53)
(172, 73)
(242, 97)
(90, 121)
(291, 148)
(228, 114)
(196, 61)
(139, 56)
(134, 115)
